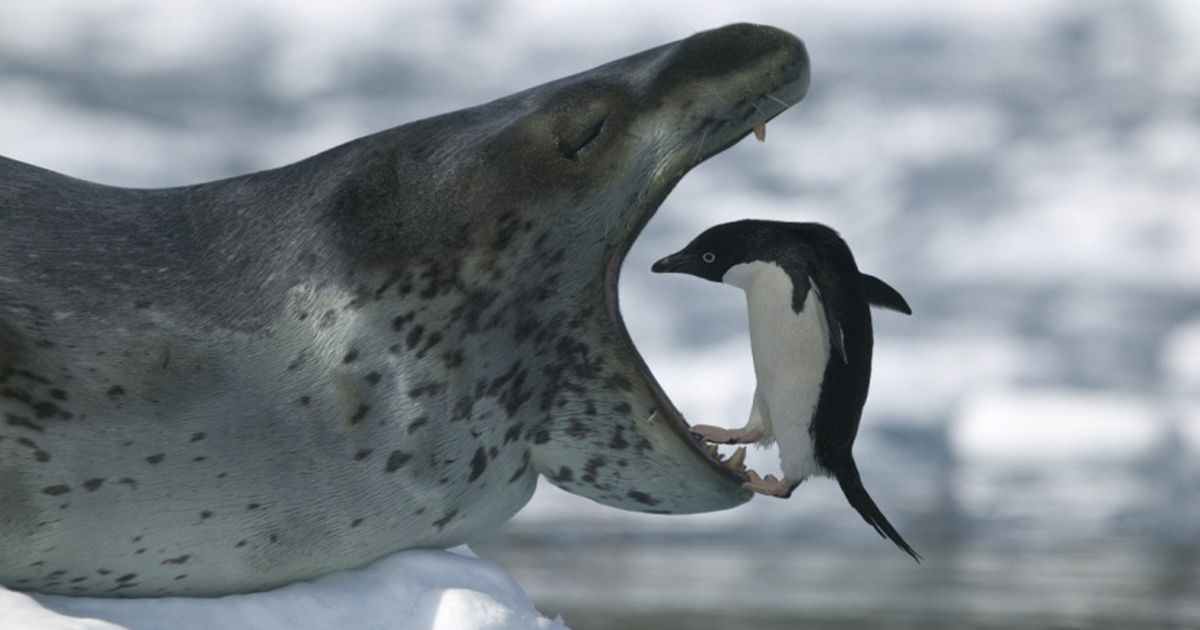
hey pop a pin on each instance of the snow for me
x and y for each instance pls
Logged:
(411, 590)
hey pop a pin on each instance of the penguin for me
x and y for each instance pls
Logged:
(811, 339)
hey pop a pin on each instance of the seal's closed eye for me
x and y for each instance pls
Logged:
(573, 145)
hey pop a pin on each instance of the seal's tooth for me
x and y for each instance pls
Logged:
(760, 131)
(737, 461)
(713, 452)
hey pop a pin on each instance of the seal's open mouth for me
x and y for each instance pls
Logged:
(714, 136)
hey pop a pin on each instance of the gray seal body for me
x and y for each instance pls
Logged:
(230, 386)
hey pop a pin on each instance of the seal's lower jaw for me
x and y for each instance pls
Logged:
(762, 110)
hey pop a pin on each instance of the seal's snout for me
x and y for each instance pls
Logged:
(734, 48)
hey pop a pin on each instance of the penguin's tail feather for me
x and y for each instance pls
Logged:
(857, 495)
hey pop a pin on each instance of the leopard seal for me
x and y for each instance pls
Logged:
(230, 386)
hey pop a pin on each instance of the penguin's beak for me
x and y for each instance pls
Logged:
(675, 263)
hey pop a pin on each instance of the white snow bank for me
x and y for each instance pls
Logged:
(1055, 427)
(410, 590)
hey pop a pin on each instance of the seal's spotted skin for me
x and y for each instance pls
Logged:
(230, 386)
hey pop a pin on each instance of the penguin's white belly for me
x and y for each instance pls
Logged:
(790, 353)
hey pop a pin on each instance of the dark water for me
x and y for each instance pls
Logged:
(765, 585)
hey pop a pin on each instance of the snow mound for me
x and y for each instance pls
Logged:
(410, 590)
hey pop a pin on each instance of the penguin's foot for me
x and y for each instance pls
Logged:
(770, 486)
(721, 435)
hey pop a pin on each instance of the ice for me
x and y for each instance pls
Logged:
(1057, 428)
(411, 590)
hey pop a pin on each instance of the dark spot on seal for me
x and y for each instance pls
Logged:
(253, 506)
(350, 356)
(541, 436)
(196, 437)
(58, 394)
(593, 465)
(513, 433)
(199, 458)
(363, 454)
(92, 485)
(180, 577)
(127, 481)
(240, 544)
(417, 424)
(298, 361)
(434, 339)
(506, 229)
(22, 421)
(115, 391)
(577, 429)
(274, 537)
(618, 442)
(47, 409)
(478, 464)
(623, 408)
(56, 490)
(520, 472)
(359, 414)
(356, 522)
(127, 577)
(414, 336)
(564, 475)
(452, 359)
(643, 498)
(372, 378)
(103, 571)
(445, 520)
(396, 460)
(426, 389)
(304, 400)
(155, 459)
(205, 514)
(18, 395)
(180, 560)
(400, 320)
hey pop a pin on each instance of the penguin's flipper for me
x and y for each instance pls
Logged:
(881, 294)
(837, 337)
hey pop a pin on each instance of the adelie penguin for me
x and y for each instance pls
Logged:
(811, 338)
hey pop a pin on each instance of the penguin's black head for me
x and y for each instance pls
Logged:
(797, 247)
(717, 249)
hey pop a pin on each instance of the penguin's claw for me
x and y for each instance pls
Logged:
(721, 435)
(771, 486)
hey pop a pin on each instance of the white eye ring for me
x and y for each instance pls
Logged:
(708, 257)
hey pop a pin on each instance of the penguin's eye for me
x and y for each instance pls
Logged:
(708, 257)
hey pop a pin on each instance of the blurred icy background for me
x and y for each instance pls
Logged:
(1027, 173)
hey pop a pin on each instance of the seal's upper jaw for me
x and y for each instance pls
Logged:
(724, 84)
